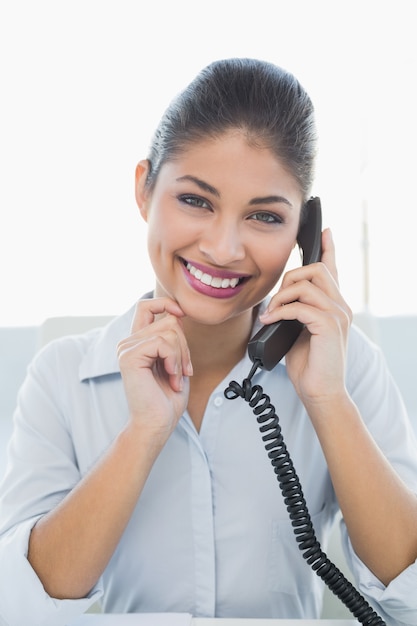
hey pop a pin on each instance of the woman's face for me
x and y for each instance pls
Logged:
(222, 221)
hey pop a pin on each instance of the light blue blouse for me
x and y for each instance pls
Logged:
(210, 534)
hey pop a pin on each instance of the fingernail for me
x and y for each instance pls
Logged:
(265, 315)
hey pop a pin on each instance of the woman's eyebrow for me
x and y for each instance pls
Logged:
(271, 200)
(201, 183)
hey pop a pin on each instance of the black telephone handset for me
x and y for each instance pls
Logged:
(273, 341)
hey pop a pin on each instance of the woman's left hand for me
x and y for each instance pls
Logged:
(310, 294)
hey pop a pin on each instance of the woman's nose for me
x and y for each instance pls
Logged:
(222, 243)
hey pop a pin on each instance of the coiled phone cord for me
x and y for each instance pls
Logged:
(295, 502)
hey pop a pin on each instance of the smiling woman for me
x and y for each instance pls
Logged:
(141, 487)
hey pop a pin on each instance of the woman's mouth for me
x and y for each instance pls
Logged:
(218, 285)
(213, 281)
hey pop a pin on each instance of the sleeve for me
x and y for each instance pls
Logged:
(382, 408)
(396, 603)
(23, 599)
(40, 447)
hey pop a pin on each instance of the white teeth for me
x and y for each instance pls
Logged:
(206, 279)
(213, 281)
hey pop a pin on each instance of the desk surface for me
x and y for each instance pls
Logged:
(272, 622)
(184, 619)
(199, 621)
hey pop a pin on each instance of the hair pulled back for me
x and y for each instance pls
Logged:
(262, 100)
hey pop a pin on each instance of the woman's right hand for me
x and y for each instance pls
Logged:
(155, 365)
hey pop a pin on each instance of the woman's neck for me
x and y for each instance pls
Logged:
(218, 347)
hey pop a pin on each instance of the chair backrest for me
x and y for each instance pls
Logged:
(396, 335)
(18, 346)
(55, 327)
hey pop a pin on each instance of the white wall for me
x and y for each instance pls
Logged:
(85, 82)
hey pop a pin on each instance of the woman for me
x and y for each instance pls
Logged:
(132, 477)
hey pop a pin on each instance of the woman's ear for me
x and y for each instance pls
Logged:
(141, 194)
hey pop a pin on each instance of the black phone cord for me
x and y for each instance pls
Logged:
(295, 502)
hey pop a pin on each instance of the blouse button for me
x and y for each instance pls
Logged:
(218, 401)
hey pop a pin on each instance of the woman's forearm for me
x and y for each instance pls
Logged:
(70, 547)
(379, 510)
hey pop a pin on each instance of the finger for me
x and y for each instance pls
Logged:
(316, 320)
(171, 322)
(304, 291)
(318, 274)
(309, 294)
(328, 256)
(143, 344)
(147, 310)
(295, 302)
(160, 352)
(182, 365)
(169, 354)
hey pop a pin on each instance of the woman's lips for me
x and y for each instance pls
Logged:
(214, 282)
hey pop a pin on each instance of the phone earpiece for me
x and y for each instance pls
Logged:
(309, 235)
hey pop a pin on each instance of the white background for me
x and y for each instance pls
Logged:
(84, 82)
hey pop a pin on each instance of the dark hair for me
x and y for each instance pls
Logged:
(263, 100)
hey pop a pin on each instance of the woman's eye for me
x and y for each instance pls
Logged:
(267, 218)
(195, 201)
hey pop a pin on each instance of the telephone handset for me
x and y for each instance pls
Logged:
(273, 341)
(266, 349)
